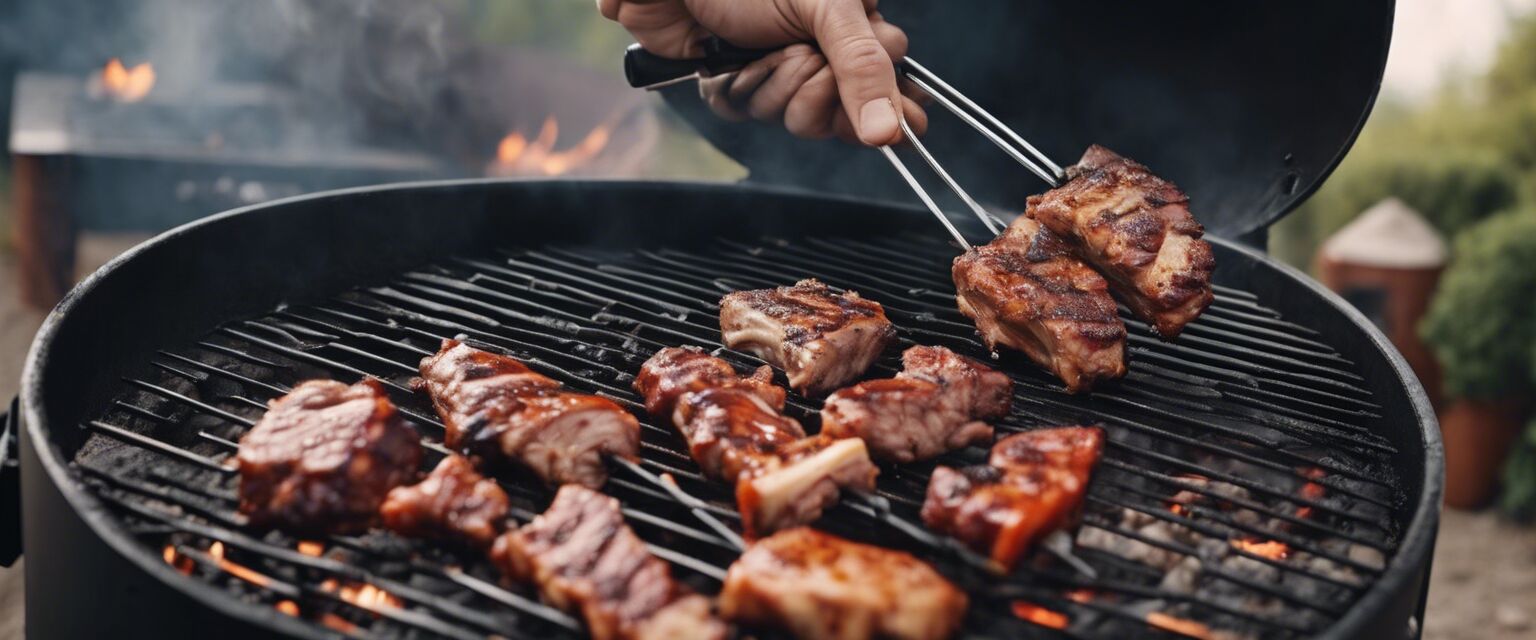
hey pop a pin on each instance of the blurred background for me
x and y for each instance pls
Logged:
(122, 119)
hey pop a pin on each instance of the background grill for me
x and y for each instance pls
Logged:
(1244, 398)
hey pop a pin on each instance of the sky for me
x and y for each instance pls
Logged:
(1434, 39)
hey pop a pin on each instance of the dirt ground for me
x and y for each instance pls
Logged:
(1483, 587)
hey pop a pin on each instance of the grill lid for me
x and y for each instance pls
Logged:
(1247, 106)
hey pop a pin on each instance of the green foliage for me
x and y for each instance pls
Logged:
(1482, 322)
(1519, 498)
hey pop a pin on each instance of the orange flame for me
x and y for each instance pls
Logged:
(175, 559)
(337, 623)
(237, 570)
(288, 607)
(1081, 595)
(1272, 549)
(1180, 626)
(1040, 615)
(363, 595)
(127, 84)
(311, 548)
(517, 155)
(1310, 491)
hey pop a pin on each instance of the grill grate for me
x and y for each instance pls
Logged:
(1249, 429)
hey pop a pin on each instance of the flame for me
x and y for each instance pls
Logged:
(127, 84)
(216, 550)
(1180, 626)
(1178, 508)
(1272, 549)
(363, 595)
(288, 607)
(338, 623)
(1311, 491)
(1040, 615)
(1081, 595)
(311, 548)
(175, 559)
(516, 154)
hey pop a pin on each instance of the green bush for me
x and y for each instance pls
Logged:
(1519, 497)
(1482, 322)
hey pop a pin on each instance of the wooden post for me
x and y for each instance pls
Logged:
(43, 231)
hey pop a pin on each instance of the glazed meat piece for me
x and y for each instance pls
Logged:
(819, 586)
(936, 404)
(1026, 291)
(1137, 229)
(324, 456)
(782, 477)
(454, 502)
(583, 558)
(674, 371)
(495, 406)
(822, 340)
(737, 435)
(1032, 485)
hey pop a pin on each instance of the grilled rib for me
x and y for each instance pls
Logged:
(584, 558)
(495, 406)
(936, 404)
(819, 586)
(822, 340)
(324, 456)
(454, 502)
(1032, 484)
(1025, 290)
(1137, 229)
(782, 478)
(674, 371)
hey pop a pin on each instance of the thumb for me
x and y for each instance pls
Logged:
(866, 77)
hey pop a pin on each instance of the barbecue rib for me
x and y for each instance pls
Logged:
(1136, 228)
(1025, 290)
(819, 586)
(936, 404)
(1032, 484)
(674, 371)
(822, 340)
(737, 435)
(494, 405)
(584, 558)
(324, 456)
(454, 502)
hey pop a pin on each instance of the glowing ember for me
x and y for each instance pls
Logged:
(288, 607)
(363, 595)
(311, 548)
(1310, 491)
(1081, 595)
(1178, 625)
(517, 155)
(180, 562)
(1272, 549)
(1178, 509)
(127, 84)
(216, 550)
(1039, 615)
(338, 623)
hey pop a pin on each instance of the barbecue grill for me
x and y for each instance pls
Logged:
(1275, 472)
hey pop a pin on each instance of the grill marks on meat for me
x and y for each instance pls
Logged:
(1032, 484)
(822, 340)
(737, 434)
(819, 586)
(495, 405)
(936, 404)
(1137, 229)
(324, 456)
(1027, 291)
(674, 371)
(585, 559)
(454, 502)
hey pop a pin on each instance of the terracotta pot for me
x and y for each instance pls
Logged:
(1478, 435)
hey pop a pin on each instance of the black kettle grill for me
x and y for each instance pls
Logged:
(1281, 420)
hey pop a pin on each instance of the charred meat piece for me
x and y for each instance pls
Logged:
(936, 404)
(820, 586)
(1026, 291)
(585, 559)
(454, 502)
(1032, 485)
(737, 434)
(1137, 229)
(495, 406)
(324, 456)
(822, 340)
(674, 371)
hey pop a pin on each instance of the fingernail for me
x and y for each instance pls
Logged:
(877, 121)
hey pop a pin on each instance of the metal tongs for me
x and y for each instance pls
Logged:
(649, 71)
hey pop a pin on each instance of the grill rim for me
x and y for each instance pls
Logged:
(1410, 561)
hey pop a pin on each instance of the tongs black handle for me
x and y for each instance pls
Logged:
(644, 69)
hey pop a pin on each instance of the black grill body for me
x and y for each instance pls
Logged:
(89, 576)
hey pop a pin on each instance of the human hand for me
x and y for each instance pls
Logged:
(812, 90)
